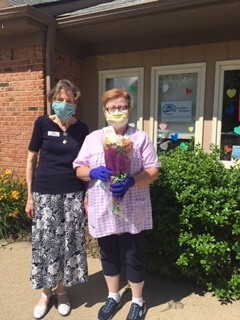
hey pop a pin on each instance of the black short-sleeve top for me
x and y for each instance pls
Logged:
(54, 173)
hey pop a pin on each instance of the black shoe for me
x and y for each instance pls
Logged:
(108, 310)
(136, 312)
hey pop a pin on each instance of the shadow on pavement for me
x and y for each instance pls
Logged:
(89, 293)
(156, 291)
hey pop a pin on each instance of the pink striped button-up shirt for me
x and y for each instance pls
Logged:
(135, 211)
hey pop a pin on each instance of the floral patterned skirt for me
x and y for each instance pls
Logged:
(58, 240)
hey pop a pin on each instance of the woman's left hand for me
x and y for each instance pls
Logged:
(120, 188)
(29, 209)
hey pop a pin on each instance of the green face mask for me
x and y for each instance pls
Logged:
(63, 110)
(117, 119)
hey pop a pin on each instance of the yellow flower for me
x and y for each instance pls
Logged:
(11, 215)
(22, 182)
(14, 214)
(15, 195)
(8, 172)
(3, 196)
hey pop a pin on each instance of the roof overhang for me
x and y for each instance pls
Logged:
(20, 21)
(104, 27)
(150, 25)
(142, 8)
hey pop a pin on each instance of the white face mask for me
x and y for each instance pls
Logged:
(117, 119)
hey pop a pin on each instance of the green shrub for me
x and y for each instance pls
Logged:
(196, 211)
(13, 220)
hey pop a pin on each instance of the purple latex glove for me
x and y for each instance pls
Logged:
(120, 188)
(100, 173)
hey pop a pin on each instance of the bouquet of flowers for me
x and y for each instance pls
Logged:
(118, 153)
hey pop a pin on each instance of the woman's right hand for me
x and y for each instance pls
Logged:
(101, 173)
(29, 209)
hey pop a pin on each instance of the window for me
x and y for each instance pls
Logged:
(226, 117)
(130, 79)
(177, 101)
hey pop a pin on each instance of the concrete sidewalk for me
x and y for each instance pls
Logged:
(165, 300)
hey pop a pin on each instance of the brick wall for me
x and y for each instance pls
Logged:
(22, 100)
(70, 67)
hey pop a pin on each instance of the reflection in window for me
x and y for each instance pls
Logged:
(177, 98)
(131, 85)
(230, 133)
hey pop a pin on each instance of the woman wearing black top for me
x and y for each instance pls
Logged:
(55, 200)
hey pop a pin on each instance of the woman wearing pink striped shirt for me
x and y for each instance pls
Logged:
(119, 235)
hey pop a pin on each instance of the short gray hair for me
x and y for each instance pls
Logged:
(65, 85)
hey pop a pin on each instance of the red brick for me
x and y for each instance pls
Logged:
(26, 79)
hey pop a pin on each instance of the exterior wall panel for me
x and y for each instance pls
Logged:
(209, 53)
(90, 93)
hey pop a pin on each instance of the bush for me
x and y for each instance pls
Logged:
(196, 211)
(13, 220)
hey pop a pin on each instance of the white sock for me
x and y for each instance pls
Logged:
(115, 296)
(139, 301)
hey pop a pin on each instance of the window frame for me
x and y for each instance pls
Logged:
(220, 68)
(156, 71)
(103, 75)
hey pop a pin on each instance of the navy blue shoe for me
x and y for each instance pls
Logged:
(108, 310)
(136, 312)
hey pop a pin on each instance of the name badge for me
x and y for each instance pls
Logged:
(53, 134)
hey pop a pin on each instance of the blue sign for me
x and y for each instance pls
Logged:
(168, 109)
(176, 111)
(235, 152)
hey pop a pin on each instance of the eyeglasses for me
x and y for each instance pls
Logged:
(113, 109)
